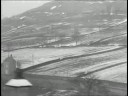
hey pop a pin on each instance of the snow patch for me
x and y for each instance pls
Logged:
(22, 17)
(63, 13)
(48, 13)
(53, 7)
(13, 29)
(91, 2)
(99, 2)
(58, 23)
(21, 26)
(111, 1)
(66, 23)
(105, 20)
(118, 23)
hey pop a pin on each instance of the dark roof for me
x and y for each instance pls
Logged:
(10, 59)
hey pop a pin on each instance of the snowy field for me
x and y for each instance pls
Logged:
(71, 68)
(117, 73)
(33, 56)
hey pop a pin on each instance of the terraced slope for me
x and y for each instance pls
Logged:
(91, 63)
(98, 28)
(64, 23)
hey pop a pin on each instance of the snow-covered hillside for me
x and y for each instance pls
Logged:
(65, 23)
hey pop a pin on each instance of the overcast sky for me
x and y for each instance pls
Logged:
(11, 8)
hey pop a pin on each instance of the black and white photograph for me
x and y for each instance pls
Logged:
(63, 47)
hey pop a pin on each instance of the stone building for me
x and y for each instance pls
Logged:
(8, 66)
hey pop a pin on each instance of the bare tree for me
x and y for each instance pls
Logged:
(76, 34)
(109, 8)
(90, 86)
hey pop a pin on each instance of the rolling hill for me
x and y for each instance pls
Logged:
(67, 23)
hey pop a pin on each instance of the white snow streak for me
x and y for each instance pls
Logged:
(53, 7)
(22, 17)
